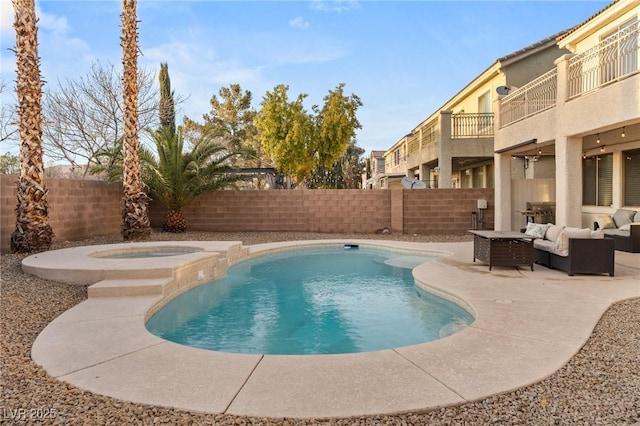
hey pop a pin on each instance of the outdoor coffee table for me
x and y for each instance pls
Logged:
(503, 248)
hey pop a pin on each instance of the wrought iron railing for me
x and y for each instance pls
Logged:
(534, 97)
(467, 125)
(614, 58)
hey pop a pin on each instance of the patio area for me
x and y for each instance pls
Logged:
(528, 325)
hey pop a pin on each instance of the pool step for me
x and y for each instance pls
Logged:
(123, 288)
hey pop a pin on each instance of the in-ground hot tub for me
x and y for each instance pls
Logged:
(134, 252)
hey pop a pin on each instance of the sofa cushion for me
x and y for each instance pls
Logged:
(636, 218)
(545, 245)
(553, 232)
(605, 222)
(627, 227)
(536, 229)
(617, 233)
(568, 233)
(597, 235)
(621, 217)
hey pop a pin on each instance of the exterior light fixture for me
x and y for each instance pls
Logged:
(584, 155)
(623, 134)
(598, 140)
(602, 148)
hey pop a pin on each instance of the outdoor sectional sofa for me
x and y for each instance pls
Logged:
(574, 250)
(623, 227)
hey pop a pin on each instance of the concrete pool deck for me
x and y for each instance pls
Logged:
(528, 324)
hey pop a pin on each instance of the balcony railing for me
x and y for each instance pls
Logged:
(614, 58)
(532, 98)
(413, 144)
(465, 125)
(430, 133)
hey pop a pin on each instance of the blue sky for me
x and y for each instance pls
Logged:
(404, 59)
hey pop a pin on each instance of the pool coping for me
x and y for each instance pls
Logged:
(528, 325)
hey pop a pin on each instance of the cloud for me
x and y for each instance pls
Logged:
(335, 5)
(299, 22)
(52, 23)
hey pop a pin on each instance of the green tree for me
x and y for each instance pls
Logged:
(287, 133)
(167, 104)
(231, 119)
(300, 143)
(9, 163)
(337, 124)
(346, 173)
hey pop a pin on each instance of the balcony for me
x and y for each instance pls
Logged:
(532, 98)
(465, 125)
(612, 60)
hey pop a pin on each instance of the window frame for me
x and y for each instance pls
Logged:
(601, 175)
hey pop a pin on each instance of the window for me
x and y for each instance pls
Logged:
(484, 103)
(597, 180)
(485, 118)
(631, 177)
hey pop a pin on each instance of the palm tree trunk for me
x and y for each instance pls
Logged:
(175, 221)
(33, 231)
(136, 224)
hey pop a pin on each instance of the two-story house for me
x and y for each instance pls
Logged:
(376, 177)
(572, 135)
(454, 146)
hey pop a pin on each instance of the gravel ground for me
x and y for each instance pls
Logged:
(599, 386)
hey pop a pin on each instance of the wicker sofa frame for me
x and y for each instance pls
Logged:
(586, 256)
(630, 243)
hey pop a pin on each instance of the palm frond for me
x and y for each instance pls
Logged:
(176, 177)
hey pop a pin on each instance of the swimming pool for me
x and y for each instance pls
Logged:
(311, 301)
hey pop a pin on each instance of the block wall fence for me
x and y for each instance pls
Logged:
(80, 209)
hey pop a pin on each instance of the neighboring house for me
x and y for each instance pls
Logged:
(580, 121)
(454, 147)
(376, 165)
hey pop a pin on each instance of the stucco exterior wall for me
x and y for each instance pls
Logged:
(527, 69)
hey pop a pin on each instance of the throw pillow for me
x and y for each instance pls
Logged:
(553, 232)
(569, 233)
(605, 222)
(622, 217)
(536, 229)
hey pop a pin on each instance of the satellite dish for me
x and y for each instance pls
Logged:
(503, 90)
(413, 183)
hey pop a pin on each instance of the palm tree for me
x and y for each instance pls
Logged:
(136, 223)
(33, 231)
(176, 177)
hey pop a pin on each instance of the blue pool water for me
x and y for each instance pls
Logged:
(311, 301)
